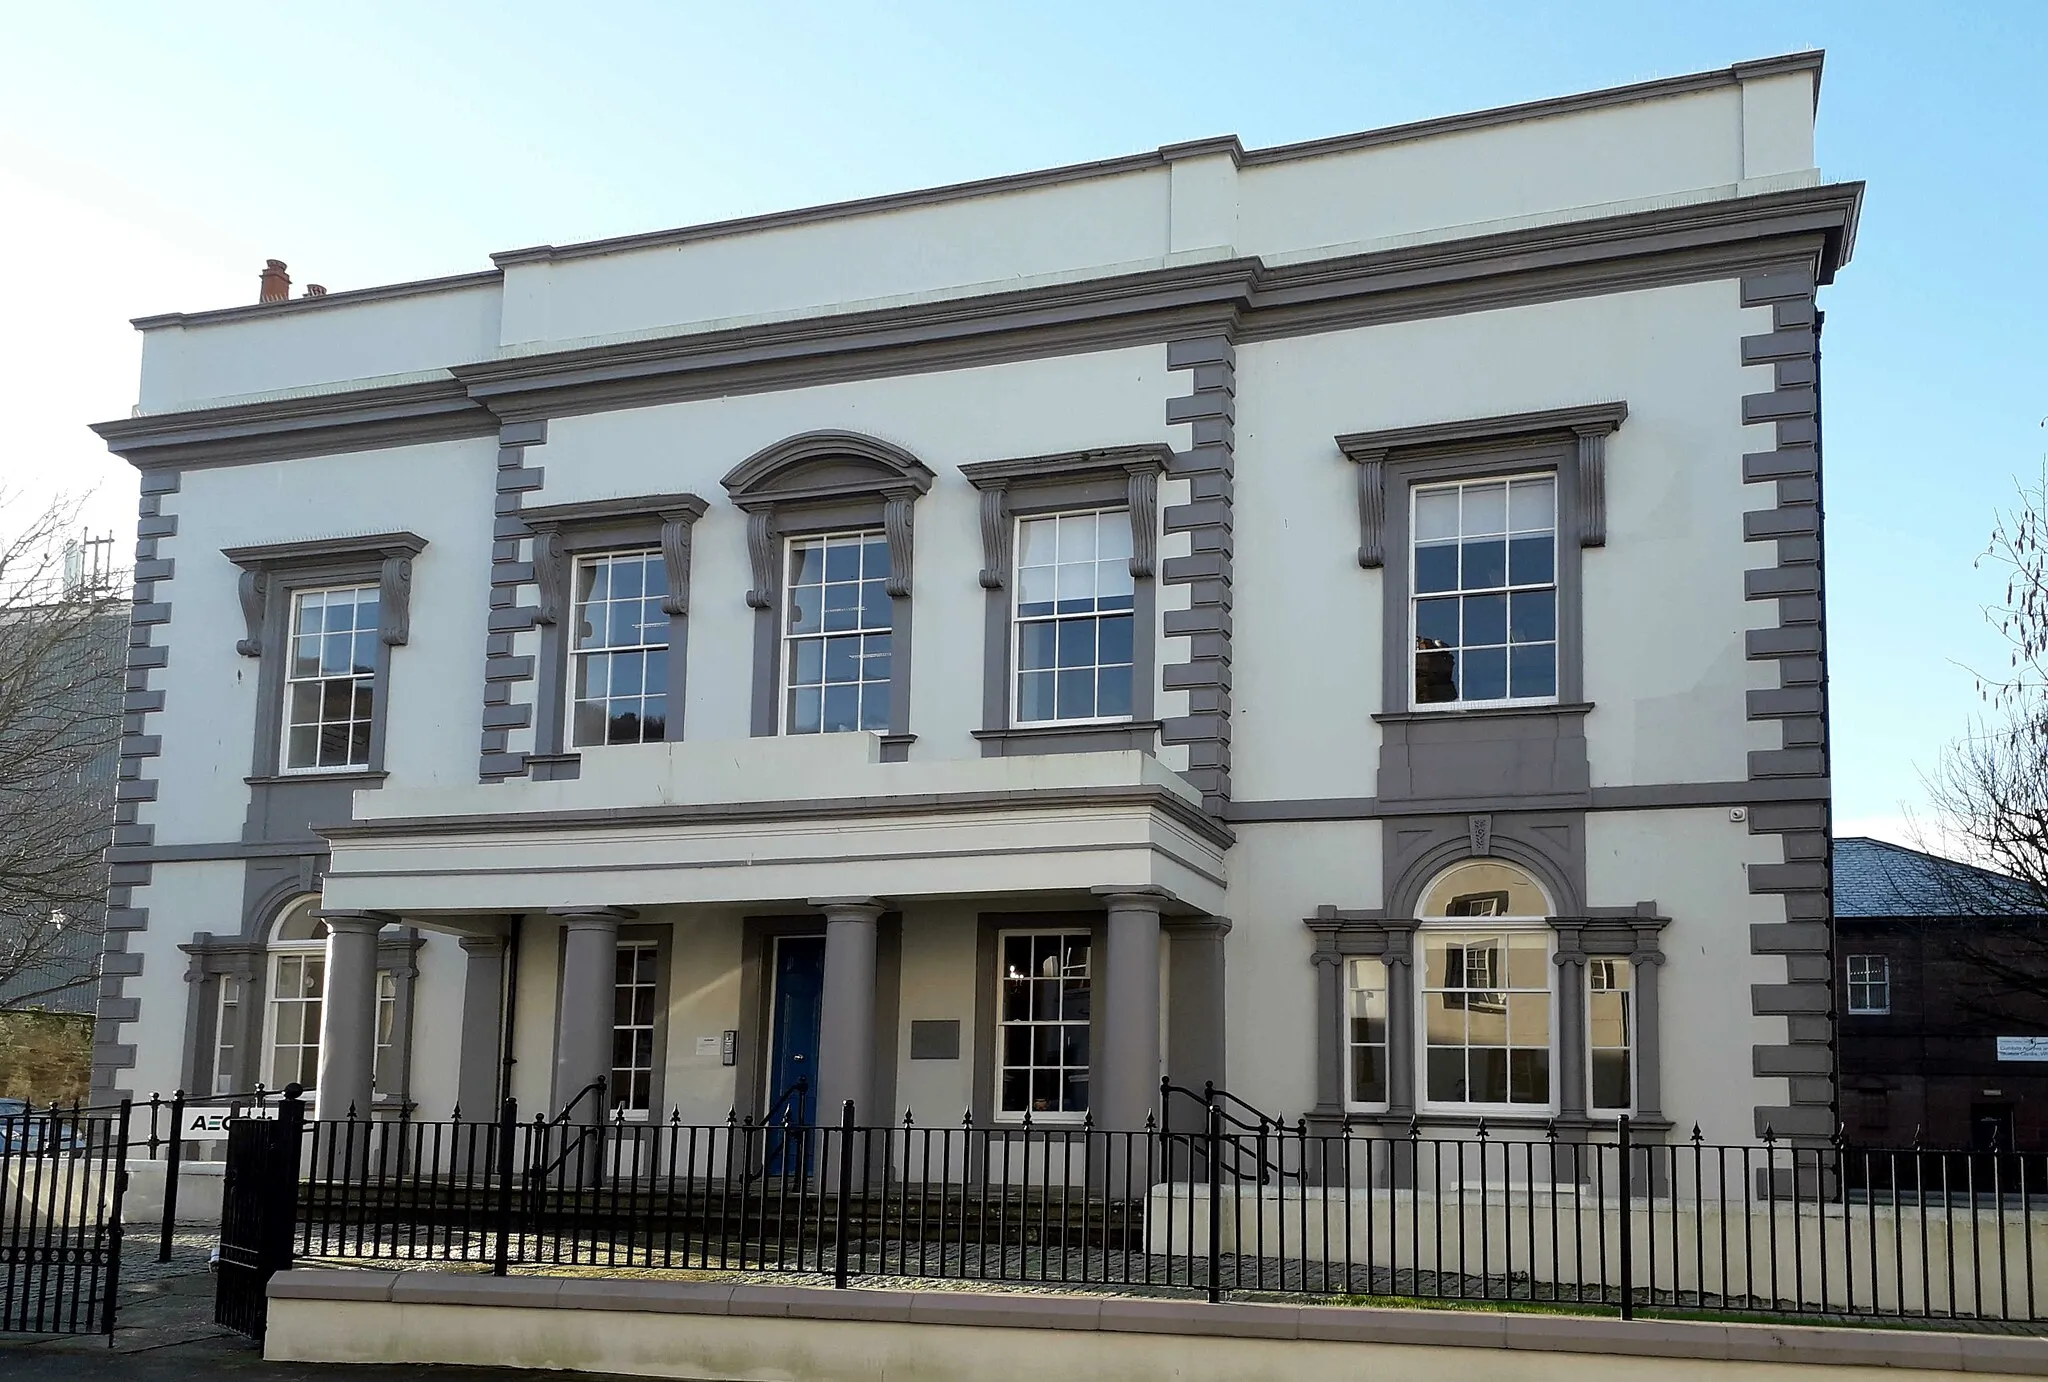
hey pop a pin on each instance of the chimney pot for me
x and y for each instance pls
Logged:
(277, 284)
(316, 290)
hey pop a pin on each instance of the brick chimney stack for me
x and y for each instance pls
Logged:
(316, 290)
(277, 284)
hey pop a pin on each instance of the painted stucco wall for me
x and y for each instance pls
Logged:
(1033, 407)
(1663, 599)
(1740, 134)
(184, 365)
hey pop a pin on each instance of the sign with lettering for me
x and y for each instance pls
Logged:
(2023, 1048)
(210, 1124)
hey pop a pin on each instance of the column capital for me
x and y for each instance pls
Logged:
(483, 945)
(350, 921)
(1216, 927)
(868, 909)
(591, 918)
(1141, 897)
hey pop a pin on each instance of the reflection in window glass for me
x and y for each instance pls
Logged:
(1367, 1012)
(1484, 591)
(227, 1027)
(1486, 1002)
(331, 679)
(1074, 622)
(619, 661)
(1042, 1032)
(836, 635)
(1609, 1028)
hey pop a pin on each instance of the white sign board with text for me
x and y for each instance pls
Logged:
(210, 1124)
(2023, 1048)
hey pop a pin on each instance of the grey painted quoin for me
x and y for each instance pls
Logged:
(1367, 649)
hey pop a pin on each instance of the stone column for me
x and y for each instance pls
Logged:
(846, 1028)
(348, 1015)
(1126, 1070)
(583, 1029)
(483, 994)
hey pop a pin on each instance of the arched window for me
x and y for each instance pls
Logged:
(296, 986)
(1487, 988)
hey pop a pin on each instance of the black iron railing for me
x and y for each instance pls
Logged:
(62, 1178)
(1607, 1218)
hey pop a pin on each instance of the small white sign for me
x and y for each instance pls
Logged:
(2023, 1048)
(707, 1048)
(210, 1124)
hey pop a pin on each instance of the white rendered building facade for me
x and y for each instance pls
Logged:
(1339, 621)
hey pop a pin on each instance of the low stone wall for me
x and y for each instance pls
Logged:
(199, 1187)
(795, 1334)
(1935, 1258)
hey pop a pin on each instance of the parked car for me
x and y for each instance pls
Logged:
(22, 1129)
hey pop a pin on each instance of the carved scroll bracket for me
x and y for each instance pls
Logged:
(547, 575)
(1593, 485)
(676, 528)
(897, 526)
(1143, 493)
(253, 589)
(1372, 509)
(762, 554)
(394, 582)
(998, 535)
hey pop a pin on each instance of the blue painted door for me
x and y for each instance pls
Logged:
(795, 1014)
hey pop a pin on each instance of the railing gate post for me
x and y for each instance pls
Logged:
(1628, 1309)
(1215, 1154)
(508, 1129)
(840, 1228)
(173, 1156)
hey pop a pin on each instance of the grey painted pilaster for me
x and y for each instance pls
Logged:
(1195, 1046)
(1209, 466)
(111, 1056)
(1645, 966)
(483, 996)
(1401, 1046)
(1569, 1041)
(846, 1028)
(511, 571)
(348, 1015)
(583, 1031)
(1126, 1070)
(1329, 966)
(1794, 641)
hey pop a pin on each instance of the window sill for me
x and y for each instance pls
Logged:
(1115, 735)
(1445, 1120)
(1452, 712)
(375, 775)
(554, 767)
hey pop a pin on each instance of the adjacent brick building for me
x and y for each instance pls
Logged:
(1942, 972)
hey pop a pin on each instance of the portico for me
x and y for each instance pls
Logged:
(698, 861)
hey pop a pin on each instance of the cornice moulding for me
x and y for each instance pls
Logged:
(1184, 812)
(1240, 297)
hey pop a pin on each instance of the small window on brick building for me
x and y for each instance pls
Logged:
(1870, 985)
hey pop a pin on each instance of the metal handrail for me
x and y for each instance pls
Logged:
(1265, 1127)
(583, 1133)
(795, 1092)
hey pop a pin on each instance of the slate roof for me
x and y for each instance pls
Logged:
(1876, 879)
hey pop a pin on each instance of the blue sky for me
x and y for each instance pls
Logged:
(151, 156)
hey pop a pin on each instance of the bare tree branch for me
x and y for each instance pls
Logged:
(62, 633)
